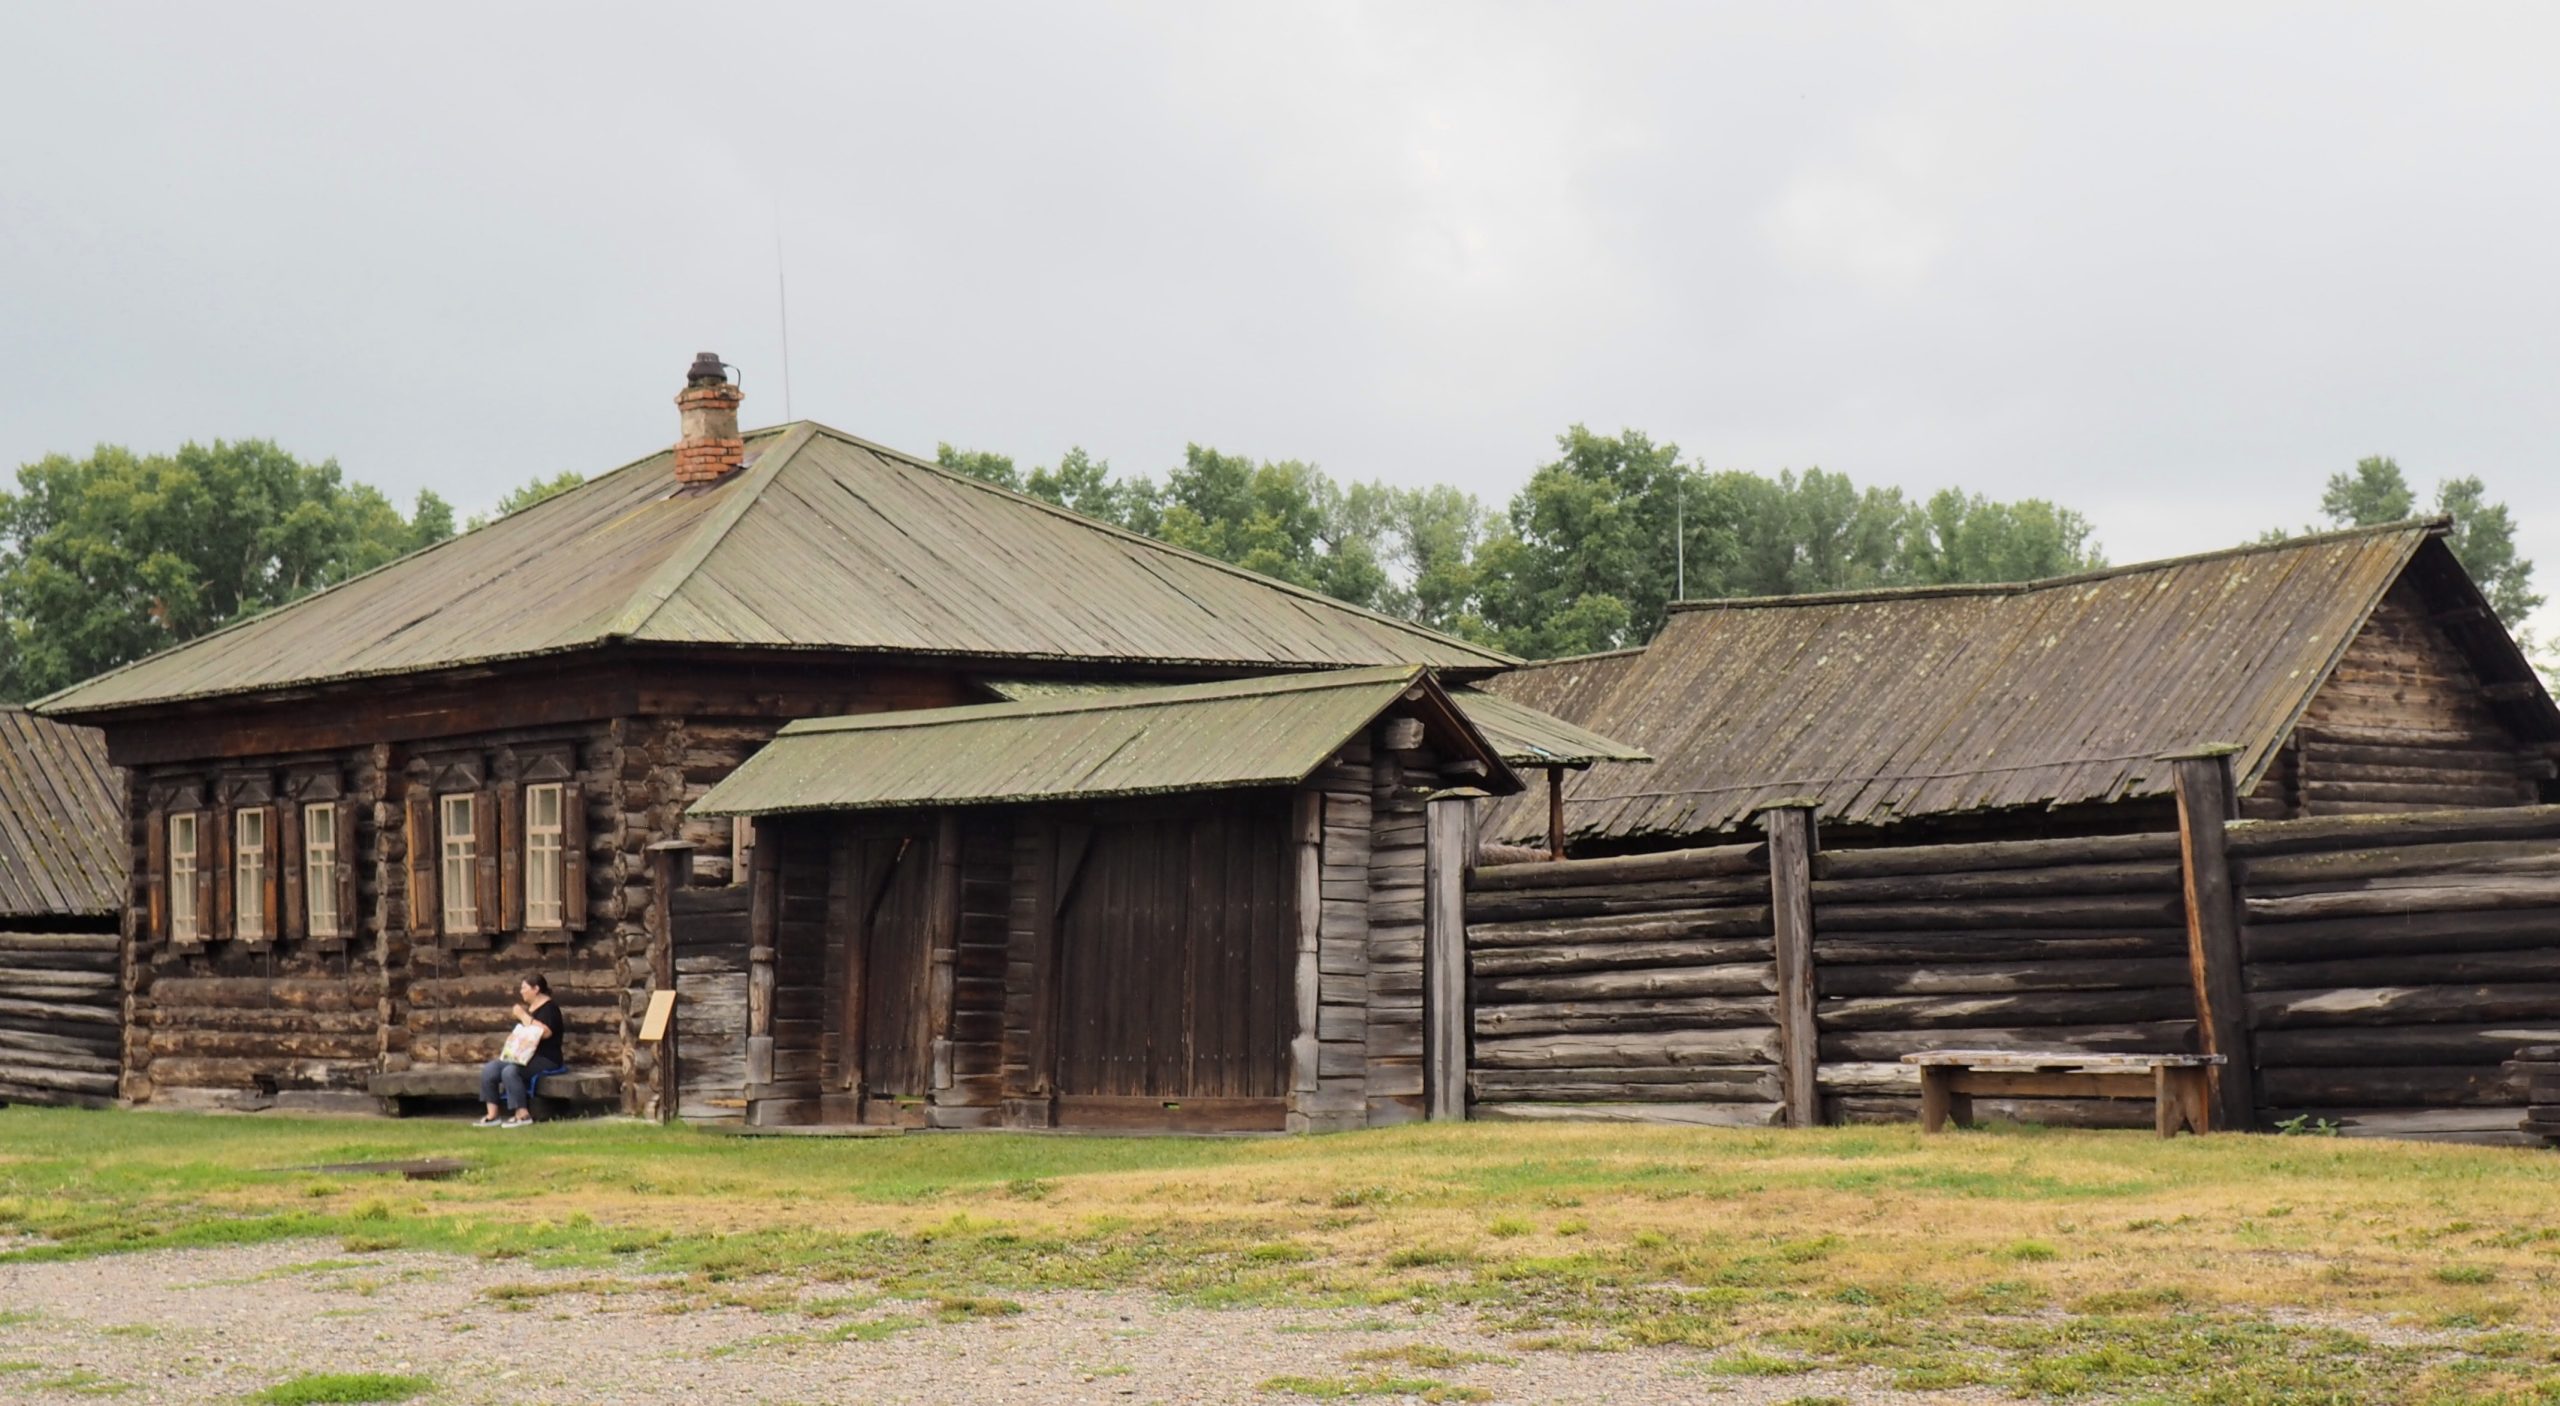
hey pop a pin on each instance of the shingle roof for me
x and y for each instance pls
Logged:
(823, 542)
(62, 840)
(1123, 742)
(1888, 705)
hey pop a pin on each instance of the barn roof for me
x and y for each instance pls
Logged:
(62, 840)
(1120, 742)
(822, 542)
(1888, 705)
(1520, 735)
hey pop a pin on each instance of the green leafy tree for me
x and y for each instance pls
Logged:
(519, 499)
(111, 557)
(2483, 537)
(979, 464)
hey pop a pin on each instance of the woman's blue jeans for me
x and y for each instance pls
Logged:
(498, 1077)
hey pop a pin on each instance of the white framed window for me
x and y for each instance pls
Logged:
(185, 924)
(542, 867)
(460, 823)
(320, 867)
(249, 872)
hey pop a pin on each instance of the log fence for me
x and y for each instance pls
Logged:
(2375, 972)
(61, 1017)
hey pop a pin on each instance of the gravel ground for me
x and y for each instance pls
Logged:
(212, 1325)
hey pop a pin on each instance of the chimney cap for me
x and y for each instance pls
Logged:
(707, 367)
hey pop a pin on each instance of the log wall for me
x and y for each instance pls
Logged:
(61, 1017)
(1625, 988)
(2404, 724)
(711, 1004)
(2394, 963)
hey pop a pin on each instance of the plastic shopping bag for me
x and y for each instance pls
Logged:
(520, 1043)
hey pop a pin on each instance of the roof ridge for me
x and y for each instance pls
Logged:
(242, 621)
(1367, 676)
(1491, 656)
(671, 575)
(2415, 527)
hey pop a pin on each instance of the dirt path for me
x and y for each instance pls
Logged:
(194, 1326)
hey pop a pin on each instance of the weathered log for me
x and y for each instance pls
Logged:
(1591, 1017)
(323, 993)
(1682, 1048)
(2397, 934)
(213, 1044)
(2256, 839)
(1703, 924)
(2324, 866)
(83, 1041)
(1835, 950)
(27, 985)
(1732, 979)
(245, 1022)
(81, 1061)
(2389, 896)
(170, 1072)
(1747, 1083)
(2339, 1046)
(1717, 862)
(2452, 1086)
(2439, 969)
(1530, 905)
(21, 1012)
(2116, 913)
(77, 943)
(2153, 1037)
(1608, 956)
(2409, 755)
(1870, 1077)
(1969, 978)
(2402, 1005)
(2070, 880)
(1710, 1115)
(2543, 867)
(2441, 792)
(2002, 1012)
(66, 1080)
(1997, 854)
(2500, 776)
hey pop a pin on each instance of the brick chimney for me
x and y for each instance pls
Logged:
(708, 445)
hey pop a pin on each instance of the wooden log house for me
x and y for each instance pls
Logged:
(357, 819)
(2350, 673)
(61, 887)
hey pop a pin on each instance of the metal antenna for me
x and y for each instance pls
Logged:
(782, 304)
(1679, 536)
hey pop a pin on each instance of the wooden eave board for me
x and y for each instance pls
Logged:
(1893, 705)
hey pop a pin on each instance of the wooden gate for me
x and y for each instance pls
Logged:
(888, 1035)
(1176, 952)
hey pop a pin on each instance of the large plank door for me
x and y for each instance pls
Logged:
(889, 1039)
(1175, 960)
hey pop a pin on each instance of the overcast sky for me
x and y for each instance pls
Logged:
(2171, 265)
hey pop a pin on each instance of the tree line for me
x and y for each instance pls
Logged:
(110, 557)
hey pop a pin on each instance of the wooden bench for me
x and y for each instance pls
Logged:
(400, 1088)
(1950, 1080)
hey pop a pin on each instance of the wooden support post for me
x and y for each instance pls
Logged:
(670, 871)
(1791, 845)
(945, 939)
(1448, 853)
(764, 913)
(1307, 842)
(2206, 801)
(1555, 812)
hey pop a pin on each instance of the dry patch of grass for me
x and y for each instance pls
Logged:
(2043, 1262)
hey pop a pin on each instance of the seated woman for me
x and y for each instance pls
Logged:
(514, 1082)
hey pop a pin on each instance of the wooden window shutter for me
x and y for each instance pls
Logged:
(208, 864)
(424, 907)
(155, 870)
(484, 861)
(272, 829)
(285, 834)
(510, 857)
(573, 857)
(217, 844)
(348, 923)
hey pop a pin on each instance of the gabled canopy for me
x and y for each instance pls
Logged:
(823, 542)
(1888, 705)
(1083, 746)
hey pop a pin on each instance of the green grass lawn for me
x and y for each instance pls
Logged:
(2049, 1264)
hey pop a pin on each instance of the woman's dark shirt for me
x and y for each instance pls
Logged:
(547, 1015)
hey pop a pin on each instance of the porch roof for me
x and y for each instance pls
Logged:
(1123, 742)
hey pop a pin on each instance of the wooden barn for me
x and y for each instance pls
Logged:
(61, 889)
(2350, 673)
(1194, 907)
(357, 820)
